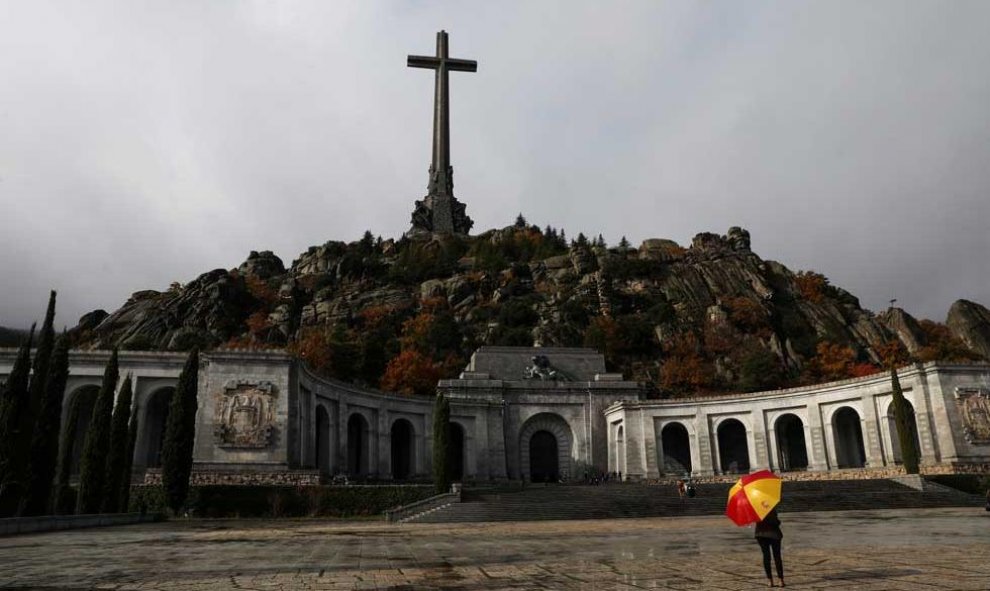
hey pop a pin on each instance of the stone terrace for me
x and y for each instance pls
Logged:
(889, 550)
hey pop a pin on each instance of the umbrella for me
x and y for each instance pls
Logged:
(752, 497)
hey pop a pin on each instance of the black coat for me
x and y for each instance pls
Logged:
(769, 527)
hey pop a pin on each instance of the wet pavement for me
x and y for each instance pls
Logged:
(862, 550)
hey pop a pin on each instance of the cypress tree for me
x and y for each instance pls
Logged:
(441, 435)
(92, 470)
(124, 494)
(44, 444)
(116, 459)
(39, 375)
(61, 498)
(13, 399)
(180, 434)
(905, 434)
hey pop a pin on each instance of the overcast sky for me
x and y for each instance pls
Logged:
(143, 143)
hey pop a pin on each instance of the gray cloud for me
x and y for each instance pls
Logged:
(140, 145)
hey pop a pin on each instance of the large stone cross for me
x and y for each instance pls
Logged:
(440, 212)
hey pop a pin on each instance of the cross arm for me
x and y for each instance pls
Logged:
(462, 65)
(423, 61)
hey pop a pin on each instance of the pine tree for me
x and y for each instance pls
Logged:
(13, 399)
(116, 458)
(92, 470)
(61, 497)
(441, 435)
(180, 433)
(124, 494)
(520, 221)
(905, 434)
(44, 444)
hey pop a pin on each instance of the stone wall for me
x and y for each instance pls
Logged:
(831, 420)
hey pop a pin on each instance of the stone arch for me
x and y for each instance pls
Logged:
(733, 447)
(80, 407)
(675, 443)
(322, 440)
(792, 449)
(455, 451)
(402, 442)
(358, 445)
(895, 441)
(156, 411)
(847, 431)
(557, 427)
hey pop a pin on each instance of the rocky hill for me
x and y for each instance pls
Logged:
(712, 316)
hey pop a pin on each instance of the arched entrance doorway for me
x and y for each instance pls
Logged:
(542, 458)
(79, 417)
(895, 440)
(322, 440)
(848, 432)
(357, 445)
(455, 451)
(676, 446)
(733, 448)
(543, 461)
(792, 453)
(402, 449)
(155, 417)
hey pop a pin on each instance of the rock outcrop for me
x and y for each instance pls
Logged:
(970, 323)
(714, 307)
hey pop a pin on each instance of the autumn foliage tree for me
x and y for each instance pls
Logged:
(411, 372)
(811, 285)
(684, 369)
(833, 361)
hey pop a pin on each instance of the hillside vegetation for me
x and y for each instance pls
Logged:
(709, 317)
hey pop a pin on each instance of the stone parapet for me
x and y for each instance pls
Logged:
(851, 474)
(242, 477)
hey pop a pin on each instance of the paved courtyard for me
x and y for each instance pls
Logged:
(876, 550)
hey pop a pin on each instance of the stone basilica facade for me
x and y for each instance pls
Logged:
(539, 414)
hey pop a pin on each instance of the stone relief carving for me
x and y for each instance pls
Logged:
(245, 415)
(541, 369)
(974, 408)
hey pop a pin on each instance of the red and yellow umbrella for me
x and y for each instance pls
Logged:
(752, 497)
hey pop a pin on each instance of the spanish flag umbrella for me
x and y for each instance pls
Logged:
(752, 497)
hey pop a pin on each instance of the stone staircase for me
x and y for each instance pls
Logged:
(612, 501)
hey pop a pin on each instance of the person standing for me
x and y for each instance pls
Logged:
(768, 535)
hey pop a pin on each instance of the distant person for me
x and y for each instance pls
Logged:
(681, 488)
(768, 534)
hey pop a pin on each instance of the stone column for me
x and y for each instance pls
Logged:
(922, 414)
(757, 443)
(384, 451)
(633, 464)
(706, 462)
(342, 438)
(773, 451)
(650, 446)
(814, 439)
(831, 450)
(871, 433)
(378, 436)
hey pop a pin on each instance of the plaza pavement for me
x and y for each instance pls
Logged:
(921, 549)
